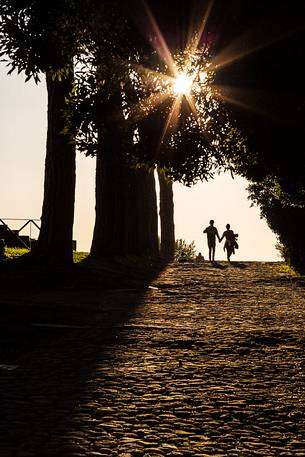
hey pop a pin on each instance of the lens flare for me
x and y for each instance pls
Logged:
(182, 84)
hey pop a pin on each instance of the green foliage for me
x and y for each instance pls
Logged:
(274, 125)
(186, 249)
(100, 70)
(37, 36)
(12, 253)
(288, 270)
(79, 256)
(191, 142)
(281, 249)
(119, 65)
(286, 220)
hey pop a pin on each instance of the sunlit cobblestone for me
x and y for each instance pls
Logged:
(207, 362)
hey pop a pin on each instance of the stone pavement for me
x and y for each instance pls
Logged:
(206, 362)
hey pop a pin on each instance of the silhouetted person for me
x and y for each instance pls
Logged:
(211, 232)
(230, 243)
(2, 249)
(199, 258)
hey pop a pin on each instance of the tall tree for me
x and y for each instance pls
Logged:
(126, 209)
(126, 65)
(38, 38)
(141, 214)
(55, 237)
(110, 187)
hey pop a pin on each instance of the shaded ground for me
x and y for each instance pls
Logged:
(204, 362)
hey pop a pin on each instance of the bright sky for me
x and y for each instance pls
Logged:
(22, 146)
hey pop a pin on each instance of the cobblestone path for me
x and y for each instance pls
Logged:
(206, 362)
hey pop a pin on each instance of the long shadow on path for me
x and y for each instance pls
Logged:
(58, 335)
(206, 359)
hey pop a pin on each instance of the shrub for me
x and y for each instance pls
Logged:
(189, 249)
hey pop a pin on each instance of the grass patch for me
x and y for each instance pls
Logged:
(86, 272)
(79, 256)
(13, 253)
(288, 270)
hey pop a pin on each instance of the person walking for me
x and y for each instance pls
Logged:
(230, 243)
(212, 233)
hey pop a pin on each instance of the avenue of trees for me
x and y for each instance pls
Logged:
(86, 50)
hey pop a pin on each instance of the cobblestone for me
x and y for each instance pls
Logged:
(206, 362)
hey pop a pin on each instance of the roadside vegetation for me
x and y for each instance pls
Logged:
(183, 248)
(13, 253)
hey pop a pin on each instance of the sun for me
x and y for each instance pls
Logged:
(182, 84)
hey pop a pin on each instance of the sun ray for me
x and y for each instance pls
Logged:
(194, 110)
(182, 84)
(150, 73)
(185, 81)
(172, 118)
(196, 36)
(237, 96)
(144, 107)
(271, 29)
(192, 106)
(160, 44)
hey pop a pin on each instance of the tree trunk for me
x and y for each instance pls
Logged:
(141, 214)
(110, 184)
(126, 220)
(126, 206)
(150, 214)
(109, 228)
(55, 239)
(166, 218)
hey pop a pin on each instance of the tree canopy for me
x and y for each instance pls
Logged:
(190, 136)
(263, 90)
(41, 36)
(261, 81)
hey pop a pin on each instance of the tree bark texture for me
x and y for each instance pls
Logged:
(126, 221)
(55, 239)
(141, 214)
(167, 225)
(109, 228)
